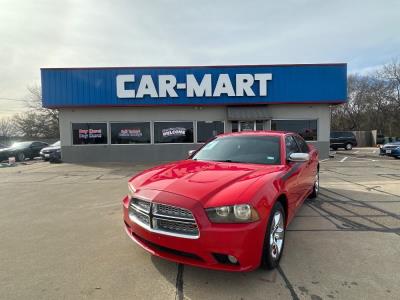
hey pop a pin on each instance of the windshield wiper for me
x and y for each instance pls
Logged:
(229, 160)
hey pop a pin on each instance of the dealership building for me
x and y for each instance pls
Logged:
(155, 114)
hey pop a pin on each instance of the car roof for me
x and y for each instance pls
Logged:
(257, 133)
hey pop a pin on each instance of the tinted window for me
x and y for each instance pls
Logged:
(307, 129)
(173, 132)
(130, 133)
(302, 144)
(208, 129)
(291, 146)
(242, 149)
(39, 144)
(349, 134)
(89, 133)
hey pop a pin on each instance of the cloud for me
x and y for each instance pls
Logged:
(77, 33)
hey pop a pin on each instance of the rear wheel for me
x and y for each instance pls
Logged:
(348, 146)
(20, 156)
(315, 191)
(274, 238)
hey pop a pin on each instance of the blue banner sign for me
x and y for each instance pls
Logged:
(215, 85)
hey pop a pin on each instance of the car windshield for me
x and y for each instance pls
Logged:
(56, 144)
(242, 149)
(21, 145)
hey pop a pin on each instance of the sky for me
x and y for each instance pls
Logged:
(76, 33)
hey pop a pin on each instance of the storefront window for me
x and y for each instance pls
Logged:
(208, 129)
(89, 133)
(130, 133)
(173, 132)
(306, 128)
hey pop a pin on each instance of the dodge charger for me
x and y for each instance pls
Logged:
(226, 206)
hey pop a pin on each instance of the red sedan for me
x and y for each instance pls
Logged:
(227, 206)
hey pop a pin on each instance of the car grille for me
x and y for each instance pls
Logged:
(163, 219)
(171, 211)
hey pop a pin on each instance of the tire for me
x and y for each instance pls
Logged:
(334, 148)
(315, 191)
(348, 146)
(274, 241)
(20, 156)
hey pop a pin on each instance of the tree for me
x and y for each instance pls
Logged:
(37, 121)
(373, 102)
(7, 128)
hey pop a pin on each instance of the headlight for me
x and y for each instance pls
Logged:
(241, 213)
(131, 190)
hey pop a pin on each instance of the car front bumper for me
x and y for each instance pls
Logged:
(243, 241)
(393, 152)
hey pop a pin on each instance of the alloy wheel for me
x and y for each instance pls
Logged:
(277, 235)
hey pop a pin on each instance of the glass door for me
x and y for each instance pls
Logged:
(247, 125)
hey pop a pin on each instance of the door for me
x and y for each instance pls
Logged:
(35, 149)
(251, 125)
(310, 167)
(294, 177)
(247, 126)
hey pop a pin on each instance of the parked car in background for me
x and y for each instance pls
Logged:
(48, 152)
(22, 150)
(342, 139)
(391, 149)
(380, 139)
(228, 205)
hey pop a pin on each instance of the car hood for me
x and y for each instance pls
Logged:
(202, 180)
(392, 144)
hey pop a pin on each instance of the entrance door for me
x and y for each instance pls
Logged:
(251, 125)
(247, 125)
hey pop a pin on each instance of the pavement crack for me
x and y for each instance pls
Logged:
(288, 283)
(179, 283)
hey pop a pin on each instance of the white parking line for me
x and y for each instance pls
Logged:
(324, 160)
(373, 151)
(356, 152)
(343, 159)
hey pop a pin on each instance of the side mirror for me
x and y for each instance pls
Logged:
(191, 152)
(299, 157)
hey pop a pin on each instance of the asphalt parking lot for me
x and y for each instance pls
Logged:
(62, 237)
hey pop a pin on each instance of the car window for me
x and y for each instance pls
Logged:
(242, 149)
(302, 144)
(21, 145)
(334, 134)
(291, 146)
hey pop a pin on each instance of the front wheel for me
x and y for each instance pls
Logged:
(274, 238)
